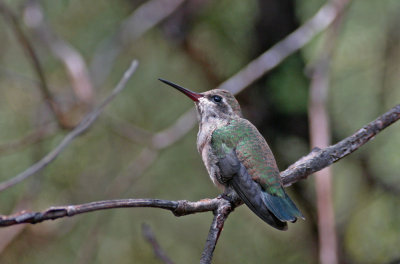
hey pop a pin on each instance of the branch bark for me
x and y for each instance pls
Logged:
(178, 208)
(318, 158)
(220, 215)
(314, 161)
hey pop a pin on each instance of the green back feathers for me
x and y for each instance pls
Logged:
(252, 151)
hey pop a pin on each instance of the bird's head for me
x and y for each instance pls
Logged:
(212, 105)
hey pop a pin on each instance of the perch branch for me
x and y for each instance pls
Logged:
(220, 215)
(178, 208)
(316, 160)
(82, 127)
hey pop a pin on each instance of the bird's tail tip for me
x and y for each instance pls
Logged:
(282, 207)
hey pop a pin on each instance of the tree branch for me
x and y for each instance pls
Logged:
(220, 215)
(82, 127)
(316, 160)
(178, 208)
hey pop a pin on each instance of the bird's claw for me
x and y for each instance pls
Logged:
(233, 199)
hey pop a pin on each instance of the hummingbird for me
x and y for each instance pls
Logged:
(237, 157)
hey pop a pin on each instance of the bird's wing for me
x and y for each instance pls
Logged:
(256, 179)
(248, 190)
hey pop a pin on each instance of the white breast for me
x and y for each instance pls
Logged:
(204, 148)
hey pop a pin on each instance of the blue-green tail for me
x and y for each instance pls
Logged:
(282, 207)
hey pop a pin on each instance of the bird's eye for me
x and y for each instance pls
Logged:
(216, 98)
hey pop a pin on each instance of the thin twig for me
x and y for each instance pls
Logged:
(30, 52)
(151, 238)
(82, 127)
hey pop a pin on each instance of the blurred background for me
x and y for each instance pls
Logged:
(59, 59)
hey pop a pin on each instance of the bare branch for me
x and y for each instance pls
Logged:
(321, 158)
(82, 127)
(178, 208)
(30, 52)
(220, 215)
(158, 251)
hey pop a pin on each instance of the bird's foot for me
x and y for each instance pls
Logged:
(232, 198)
(224, 196)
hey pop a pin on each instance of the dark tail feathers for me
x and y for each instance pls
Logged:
(282, 207)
